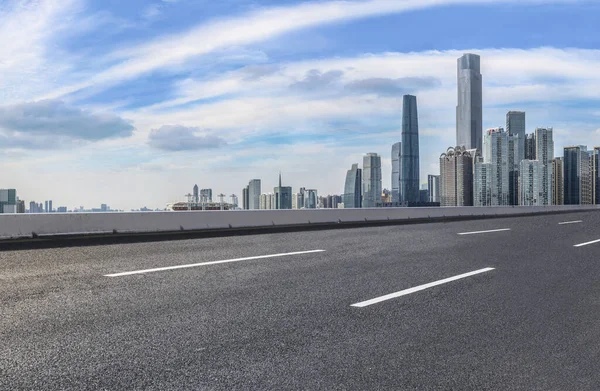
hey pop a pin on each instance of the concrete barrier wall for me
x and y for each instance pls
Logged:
(26, 225)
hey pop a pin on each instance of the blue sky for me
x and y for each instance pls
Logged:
(131, 103)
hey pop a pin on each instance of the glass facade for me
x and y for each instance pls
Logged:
(496, 154)
(396, 171)
(352, 188)
(409, 179)
(372, 186)
(469, 112)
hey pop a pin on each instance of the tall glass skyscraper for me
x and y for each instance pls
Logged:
(496, 154)
(254, 194)
(409, 179)
(515, 126)
(352, 188)
(577, 175)
(371, 181)
(469, 112)
(544, 152)
(396, 171)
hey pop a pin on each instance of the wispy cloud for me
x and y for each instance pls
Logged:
(181, 138)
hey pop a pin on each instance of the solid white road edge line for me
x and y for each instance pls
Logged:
(586, 243)
(571, 222)
(419, 288)
(160, 269)
(484, 232)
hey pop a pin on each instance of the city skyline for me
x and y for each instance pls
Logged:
(134, 127)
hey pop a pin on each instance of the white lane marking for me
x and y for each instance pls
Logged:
(419, 288)
(571, 222)
(484, 232)
(586, 243)
(160, 269)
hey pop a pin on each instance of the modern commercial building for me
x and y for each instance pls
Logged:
(254, 192)
(529, 183)
(433, 187)
(8, 201)
(283, 196)
(196, 194)
(396, 172)
(20, 206)
(544, 152)
(310, 200)
(267, 201)
(50, 209)
(409, 179)
(482, 186)
(353, 188)
(46, 206)
(496, 154)
(456, 177)
(61, 209)
(558, 191)
(371, 184)
(577, 175)
(596, 175)
(530, 146)
(469, 112)
(245, 201)
(516, 127)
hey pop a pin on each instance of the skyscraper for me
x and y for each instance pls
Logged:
(558, 192)
(353, 188)
(577, 178)
(396, 172)
(544, 152)
(530, 146)
(529, 183)
(456, 177)
(469, 112)
(310, 199)
(50, 209)
(46, 206)
(283, 196)
(515, 126)
(409, 179)
(254, 194)
(433, 187)
(596, 175)
(196, 196)
(496, 154)
(371, 181)
(514, 160)
(206, 195)
(8, 201)
(245, 200)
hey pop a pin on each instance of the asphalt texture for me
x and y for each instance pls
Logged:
(287, 323)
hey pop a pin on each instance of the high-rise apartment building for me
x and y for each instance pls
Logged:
(577, 175)
(558, 192)
(469, 112)
(353, 188)
(396, 172)
(529, 183)
(372, 186)
(254, 194)
(266, 201)
(544, 152)
(482, 184)
(456, 177)
(496, 154)
(433, 187)
(409, 179)
(530, 146)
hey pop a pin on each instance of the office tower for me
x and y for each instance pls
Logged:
(482, 185)
(283, 196)
(196, 196)
(469, 112)
(456, 177)
(206, 195)
(8, 201)
(310, 201)
(529, 183)
(496, 154)
(302, 198)
(577, 175)
(33, 207)
(50, 210)
(353, 188)
(515, 126)
(245, 201)
(46, 206)
(396, 172)
(558, 192)
(20, 206)
(596, 175)
(530, 147)
(514, 160)
(409, 179)
(371, 180)
(544, 152)
(433, 187)
(254, 194)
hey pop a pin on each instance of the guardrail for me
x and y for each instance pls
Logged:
(39, 225)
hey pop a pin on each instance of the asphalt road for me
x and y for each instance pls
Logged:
(529, 322)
